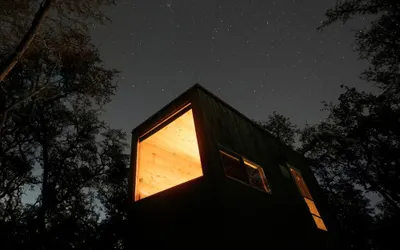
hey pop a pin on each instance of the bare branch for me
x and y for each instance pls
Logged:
(5, 113)
(26, 41)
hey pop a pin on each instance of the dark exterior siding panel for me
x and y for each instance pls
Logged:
(221, 209)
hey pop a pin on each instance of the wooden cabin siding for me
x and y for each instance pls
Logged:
(229, 128)
(214, 208)
(237, 133)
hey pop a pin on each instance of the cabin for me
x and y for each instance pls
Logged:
(203, 172)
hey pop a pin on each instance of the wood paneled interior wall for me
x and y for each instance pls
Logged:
(168, 157)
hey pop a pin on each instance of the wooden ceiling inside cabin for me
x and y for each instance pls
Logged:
(168, 158)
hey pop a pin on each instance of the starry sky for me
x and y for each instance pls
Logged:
(259, 56)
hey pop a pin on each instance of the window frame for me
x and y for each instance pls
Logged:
(305, 193)
(165, 121)
(155, 128)
(242, 161)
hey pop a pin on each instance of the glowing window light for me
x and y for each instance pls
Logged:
(256, 176)
(308, 199)
(168, 157)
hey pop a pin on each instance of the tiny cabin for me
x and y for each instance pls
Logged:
(203, 172)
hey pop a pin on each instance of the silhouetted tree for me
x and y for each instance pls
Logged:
(378, 42)
(24, 19)
(51, 138)
(115, 229)
(281, 127)
(54, 141)
(18, 32)
(348, 203)
(358, 145)
(361, 137)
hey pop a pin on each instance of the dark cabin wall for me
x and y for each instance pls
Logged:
(237, 133)
(214, 208)
(183, 213)
(225, 126)
(149, 124)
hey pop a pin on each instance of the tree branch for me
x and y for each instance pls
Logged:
(25, 42)
(5, 114)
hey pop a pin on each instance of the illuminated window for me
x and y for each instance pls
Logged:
(244, 171)
(308, 199)
(256, 175)
(168, 157)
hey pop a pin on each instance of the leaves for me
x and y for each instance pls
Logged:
(357, 147)
(355, 152)
(378, 42)
(55, 142)
(280, 127)
(48, 18)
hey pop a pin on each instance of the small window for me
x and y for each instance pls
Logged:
(256, 176)
(300, 183)
(244, 171)
(308, 199)
(233, 168)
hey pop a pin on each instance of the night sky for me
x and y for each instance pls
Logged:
(259, 56)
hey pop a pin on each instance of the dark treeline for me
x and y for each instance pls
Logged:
(52, 140)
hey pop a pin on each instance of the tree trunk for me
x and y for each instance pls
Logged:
(41, 219)
(23, 45)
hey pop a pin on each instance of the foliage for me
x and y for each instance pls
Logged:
(378, 42)
(281, 127)
(355, 151)
(360, 138)
(113, 192)
(53, 142)
(30, 24)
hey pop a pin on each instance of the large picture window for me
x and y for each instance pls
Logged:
(243, 170)
(169, 156)
(307, 198)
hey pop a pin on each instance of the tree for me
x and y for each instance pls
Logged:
(115, 229)
(56, 14)
(359, 143)
(58, 134)
(361, 138)
(348, 202)
(29, 82)
(356, 149)
(51, 137)
(62, 19)
(281, 127)
(378, 42)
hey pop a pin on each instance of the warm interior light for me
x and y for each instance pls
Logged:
(311, 206)
(250, 164)
(308, 199)
(320, 223)
(256, 176)
(168, 157)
